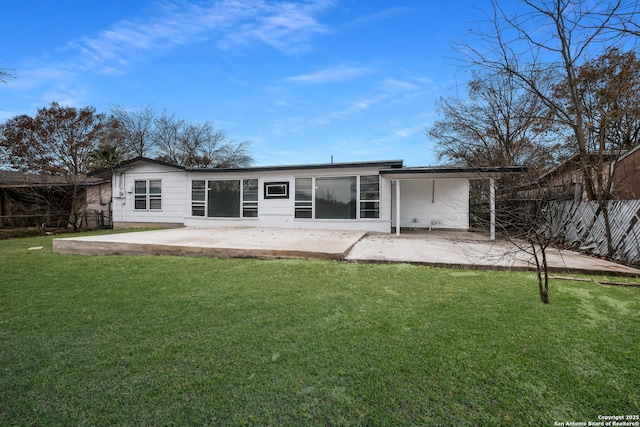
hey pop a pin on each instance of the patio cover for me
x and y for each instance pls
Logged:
(434, 172)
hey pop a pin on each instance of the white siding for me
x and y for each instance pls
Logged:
(173, 194)
(280, 212)
(435, 203)
(421, 207)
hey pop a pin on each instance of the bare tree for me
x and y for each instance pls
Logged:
(558, 36)
(212, 148)
(233, 155)
(499, 124)
(203, 145)
(530, 227)
(169, 138)
(167, 134)
(136, 130)
(6, 74)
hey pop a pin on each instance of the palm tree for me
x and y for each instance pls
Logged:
(105, 156)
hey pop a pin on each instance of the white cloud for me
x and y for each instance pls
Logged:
(383, 93)
(31, 78)
(69, 96)
(387, 92)
(286, 26)
(44, 85)
(330, 75)
(351, 109)
(394, 86)
(378, 17)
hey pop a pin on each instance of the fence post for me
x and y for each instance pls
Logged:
(492, 209)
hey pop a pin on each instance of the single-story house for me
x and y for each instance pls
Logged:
(566, 180)
(626, 175)
(376, 196)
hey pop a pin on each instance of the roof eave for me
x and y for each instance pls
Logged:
(453, 172)
(127, 163)
(392, 164)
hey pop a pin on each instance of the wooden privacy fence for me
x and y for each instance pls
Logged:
(580, 225)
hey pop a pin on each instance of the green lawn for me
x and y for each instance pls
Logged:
(116, 340)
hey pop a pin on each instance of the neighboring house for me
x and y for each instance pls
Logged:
(32, 200)
(371, 196)
(626, 175)
(566, 181)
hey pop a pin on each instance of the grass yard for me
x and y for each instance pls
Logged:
(117, 340)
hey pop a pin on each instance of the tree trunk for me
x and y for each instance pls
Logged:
(604, 208)
(542, 271)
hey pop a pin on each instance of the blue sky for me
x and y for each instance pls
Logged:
(302, 80)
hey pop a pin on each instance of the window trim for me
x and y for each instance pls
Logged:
(303, 207)
(338, 195)
(249, 205)
(269, 185)
(148, 197)
(244, 204)
(308, 207)
(200, 204)
(362, 202)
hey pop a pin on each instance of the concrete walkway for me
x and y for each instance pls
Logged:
(436, 248)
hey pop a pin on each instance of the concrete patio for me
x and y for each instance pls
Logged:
(434, 248)
(220, 242)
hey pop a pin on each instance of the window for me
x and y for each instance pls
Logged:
(140, 195)
(338, 197)
(250, 198)
(304, 198)
(223, 199)
(148, 194)
(335, 198)
(231, 198)
(276, 190)
(155, 195)
(198, 197)
(370, 196)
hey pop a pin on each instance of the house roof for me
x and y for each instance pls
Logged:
(107, 172)
(394, 164)
(629, 152)
(391, 164)
(573, 163)
(13, 179)
(452, 172)
(392, 168)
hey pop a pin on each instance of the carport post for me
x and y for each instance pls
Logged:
(397, 207)
(492, 209)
